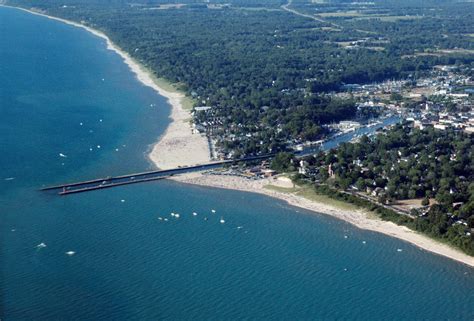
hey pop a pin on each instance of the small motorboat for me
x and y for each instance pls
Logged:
(41, 245)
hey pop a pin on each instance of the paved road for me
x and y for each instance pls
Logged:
(286, 7)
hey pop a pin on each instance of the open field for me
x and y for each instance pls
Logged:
(350, 13)
(387, 18)
(408, 205)
(166, 6)
(187, 102)
(310, 194)
(442, 52)
(330, 29)
(360, 15)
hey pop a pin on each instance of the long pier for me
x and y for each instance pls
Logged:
(141, 177)
(108, 182)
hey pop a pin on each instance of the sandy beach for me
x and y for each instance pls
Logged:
(360, 218)
(179, 145)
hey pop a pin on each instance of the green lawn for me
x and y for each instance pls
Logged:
(309, 193)
(187, 102)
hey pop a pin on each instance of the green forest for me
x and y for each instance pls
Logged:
(269, 75)
(265, 71)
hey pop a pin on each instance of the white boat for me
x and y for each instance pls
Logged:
(176, 215)
(375, 123)
(41, 245)
(213, 211)
(222, 221)
(70, 253)
(195, 214)
(62, 155)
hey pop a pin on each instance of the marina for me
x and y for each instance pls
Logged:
(149, 176)
(106, 255)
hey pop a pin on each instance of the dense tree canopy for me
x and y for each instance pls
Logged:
(266, 71)
(407, 163)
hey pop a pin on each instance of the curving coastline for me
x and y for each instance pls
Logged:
(179, 145)
(360, 218)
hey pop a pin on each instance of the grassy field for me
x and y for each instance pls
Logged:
(345, 14)
(309, 193)
(166, 6)
(387, 18)
(441, 52)
(329, 29)
(358, 15)
(375, 48)
(344, 43)
(187, 102)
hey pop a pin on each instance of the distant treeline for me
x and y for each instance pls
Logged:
(266, 72)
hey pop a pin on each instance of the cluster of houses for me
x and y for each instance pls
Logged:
(389, 86)
(442, 121)
(447, 101)
(259, 171)
(443, 99)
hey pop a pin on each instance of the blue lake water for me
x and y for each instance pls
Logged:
(285, 263)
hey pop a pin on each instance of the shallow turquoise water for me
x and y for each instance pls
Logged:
(285, 263)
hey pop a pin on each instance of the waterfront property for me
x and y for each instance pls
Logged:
(107, 255)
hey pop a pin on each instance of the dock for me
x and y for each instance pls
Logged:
(141, 177)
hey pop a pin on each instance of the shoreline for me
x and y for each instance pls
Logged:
(359, 218)
(178, 145)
